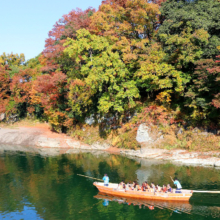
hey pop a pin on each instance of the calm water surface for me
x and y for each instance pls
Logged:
(33, 186)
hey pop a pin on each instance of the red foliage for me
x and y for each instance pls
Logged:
(157, 115)
(49, 89)
(21, 85)
(4, 83)
(4, 88)
(65, 27)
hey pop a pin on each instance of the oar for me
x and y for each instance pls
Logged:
(89, 177)
(198, 191)
(171, 178)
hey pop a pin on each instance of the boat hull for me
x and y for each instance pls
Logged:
(112, 190)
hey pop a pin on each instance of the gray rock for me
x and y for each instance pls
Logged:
(161, 137)
(90, 120)
(203, 133)
(2, 116)
(143, 134)
(197, 161)
(73, 144)
(100, 146)
(209, 162)
(195, 130)
(180, 131)
(47, 142)
(217, 163)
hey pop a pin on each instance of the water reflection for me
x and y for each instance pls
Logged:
(172, 206)
(27, 213)
(105, 202)
(47, 187)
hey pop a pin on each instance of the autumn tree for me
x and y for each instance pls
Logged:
(4, 89)
(130, 25)
(12, 62)
(49, 91)
(12, 59)
(52, 56)
(104, 84)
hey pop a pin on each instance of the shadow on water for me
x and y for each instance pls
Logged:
(44, 184)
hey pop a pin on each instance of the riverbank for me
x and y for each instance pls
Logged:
(40, 136)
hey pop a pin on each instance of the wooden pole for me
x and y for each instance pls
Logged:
(89, 177)
(198, 191)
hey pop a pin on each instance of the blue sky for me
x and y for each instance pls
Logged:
(25, 24)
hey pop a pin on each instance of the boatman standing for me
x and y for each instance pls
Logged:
(178, 185)
(106, 180)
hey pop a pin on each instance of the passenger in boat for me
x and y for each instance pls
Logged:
(164, 189)
(169, 189)
(159, 188)
(153, 188)
(144, 186)
(121, 185)
(137, 187)
(147, 185)
(134, 185)
(106, 180)
(129, 186)
(178, 185)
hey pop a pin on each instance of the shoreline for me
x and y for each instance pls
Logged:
(40, 137)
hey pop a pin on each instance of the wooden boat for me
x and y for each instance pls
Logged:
(112, 189)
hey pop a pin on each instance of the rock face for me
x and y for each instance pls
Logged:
(36, 138)
(143, 134)
(179, 157)
(2, 116)
(50, 151)
(42, 141)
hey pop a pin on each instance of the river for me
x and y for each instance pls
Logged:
(45, 186)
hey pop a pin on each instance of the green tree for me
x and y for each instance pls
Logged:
(190, 16)
(103, 79)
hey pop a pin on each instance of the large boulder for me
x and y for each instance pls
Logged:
(143, 134)
(2, 116)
